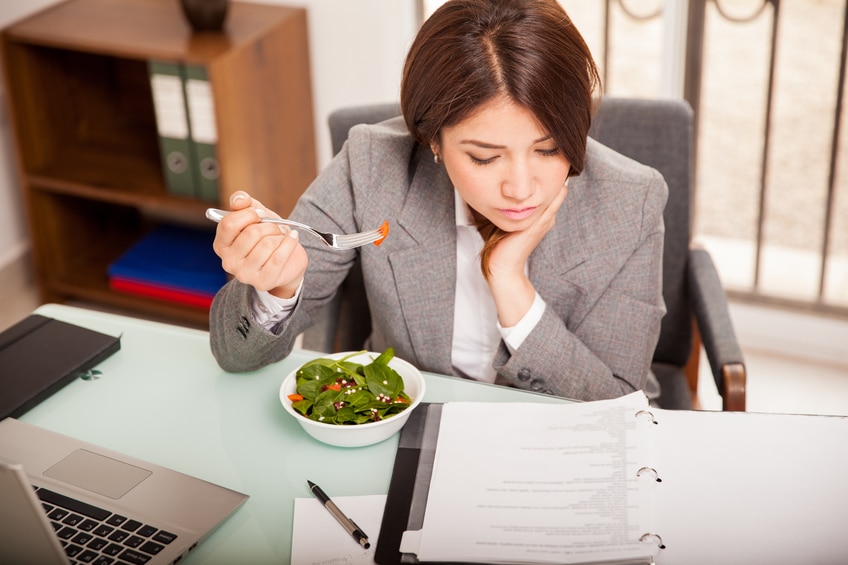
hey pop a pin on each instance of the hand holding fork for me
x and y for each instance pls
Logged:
(336, 241)
(274, 265)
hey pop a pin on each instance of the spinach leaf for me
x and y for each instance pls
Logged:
(338, 391)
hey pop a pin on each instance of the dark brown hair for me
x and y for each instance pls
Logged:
(471, 51)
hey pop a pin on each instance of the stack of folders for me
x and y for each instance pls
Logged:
(171, 263)
(187, 128)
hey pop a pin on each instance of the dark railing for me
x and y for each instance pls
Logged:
(826, 297)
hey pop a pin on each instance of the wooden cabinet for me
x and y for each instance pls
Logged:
(82, 113)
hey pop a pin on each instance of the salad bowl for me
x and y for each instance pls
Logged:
(350, 434)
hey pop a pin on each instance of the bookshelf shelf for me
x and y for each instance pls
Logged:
(84, 125)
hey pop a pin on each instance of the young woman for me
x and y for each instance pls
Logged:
(521, 251)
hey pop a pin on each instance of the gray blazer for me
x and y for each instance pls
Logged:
(599, 270)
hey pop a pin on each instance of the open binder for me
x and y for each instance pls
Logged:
(624, 483)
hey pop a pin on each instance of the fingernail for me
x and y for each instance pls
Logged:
(259, 212)
(293, 234)
(237, 197)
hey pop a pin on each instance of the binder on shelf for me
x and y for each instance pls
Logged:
(203, 131)
(172, 263)
(615, 481)
(172, 124)
(198, 299)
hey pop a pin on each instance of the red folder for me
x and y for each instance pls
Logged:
(162, 292)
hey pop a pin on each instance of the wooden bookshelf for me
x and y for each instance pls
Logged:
(82, 114)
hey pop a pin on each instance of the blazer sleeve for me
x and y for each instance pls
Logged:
(608, 351)
(238, 343)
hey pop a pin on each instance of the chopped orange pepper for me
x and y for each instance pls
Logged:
(295, 397)
(384, 230)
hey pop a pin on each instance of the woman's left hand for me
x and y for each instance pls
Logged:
(511, 289)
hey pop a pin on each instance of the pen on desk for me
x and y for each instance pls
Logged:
(346, 522)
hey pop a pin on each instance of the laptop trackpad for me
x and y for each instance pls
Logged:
(97, 473)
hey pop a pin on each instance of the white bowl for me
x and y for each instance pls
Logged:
(361, 434)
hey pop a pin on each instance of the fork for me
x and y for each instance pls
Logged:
(336, 241)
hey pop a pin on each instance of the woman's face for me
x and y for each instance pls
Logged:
(503, 164)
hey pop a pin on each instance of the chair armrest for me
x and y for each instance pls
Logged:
(709, 306)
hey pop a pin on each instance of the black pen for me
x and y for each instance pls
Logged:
(346, 522)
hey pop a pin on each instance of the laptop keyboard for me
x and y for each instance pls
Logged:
(93, 535)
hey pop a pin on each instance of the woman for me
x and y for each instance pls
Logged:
(521, 252)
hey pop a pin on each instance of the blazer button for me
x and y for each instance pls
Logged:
(524, 375)
(243, 327)
(537, 385)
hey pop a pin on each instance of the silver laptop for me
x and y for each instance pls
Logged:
(65, 501)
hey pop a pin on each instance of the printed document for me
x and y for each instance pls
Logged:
(547, 484)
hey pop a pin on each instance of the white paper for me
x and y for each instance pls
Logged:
(741, 488)
(318, 539)
(547, 484)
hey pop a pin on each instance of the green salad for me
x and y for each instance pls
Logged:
(338, 391)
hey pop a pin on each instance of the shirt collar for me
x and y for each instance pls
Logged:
(463, 211)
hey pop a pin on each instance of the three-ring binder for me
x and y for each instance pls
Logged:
(647, 413)
(652, 537)
(650, 471)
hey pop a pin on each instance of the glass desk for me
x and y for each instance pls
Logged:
(163, 398)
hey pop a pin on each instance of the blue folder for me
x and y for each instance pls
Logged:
(173, 256)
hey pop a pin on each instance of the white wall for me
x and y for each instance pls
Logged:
(13, 228)
(356, 48)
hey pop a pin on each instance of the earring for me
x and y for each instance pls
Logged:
(435, 149)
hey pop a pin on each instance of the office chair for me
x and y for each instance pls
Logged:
(657, 133)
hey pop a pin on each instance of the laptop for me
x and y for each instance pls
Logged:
(67, 501)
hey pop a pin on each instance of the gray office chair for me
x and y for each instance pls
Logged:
(657, 133)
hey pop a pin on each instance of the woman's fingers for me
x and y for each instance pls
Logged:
(548, 218)
(264, 255)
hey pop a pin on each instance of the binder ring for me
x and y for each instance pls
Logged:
(650, 470)
(648, 412)
(652, 536)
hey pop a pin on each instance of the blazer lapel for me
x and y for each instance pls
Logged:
(562, 251)
(427, 301)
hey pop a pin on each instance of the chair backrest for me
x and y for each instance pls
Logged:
(343, 119)
(655, 132)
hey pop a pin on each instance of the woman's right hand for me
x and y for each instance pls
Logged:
(266, 256)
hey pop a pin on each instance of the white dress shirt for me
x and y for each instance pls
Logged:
(476, 330)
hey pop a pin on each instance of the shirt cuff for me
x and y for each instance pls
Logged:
(514, 336)
(269, 310)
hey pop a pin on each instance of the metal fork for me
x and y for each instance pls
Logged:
(336, 241)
